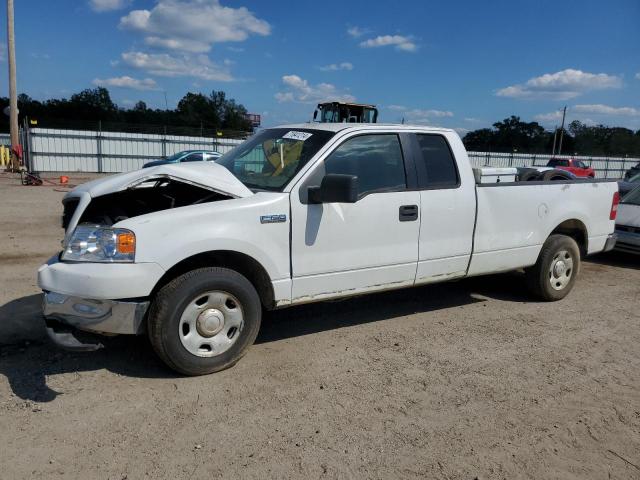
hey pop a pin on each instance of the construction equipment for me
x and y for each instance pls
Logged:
(340, 112)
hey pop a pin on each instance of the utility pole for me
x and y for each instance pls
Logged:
(555, 136)
(13, 96)
(564, 113)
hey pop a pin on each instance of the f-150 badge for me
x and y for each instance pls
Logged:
(273, 218)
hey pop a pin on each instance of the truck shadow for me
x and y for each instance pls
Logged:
(27, 357)
(616, 259)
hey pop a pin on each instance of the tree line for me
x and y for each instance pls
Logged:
(514, 135)
(213, 112)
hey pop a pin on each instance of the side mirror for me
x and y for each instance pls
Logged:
(315, 114)
(335, 188)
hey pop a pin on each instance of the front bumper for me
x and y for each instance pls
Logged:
(98, 316)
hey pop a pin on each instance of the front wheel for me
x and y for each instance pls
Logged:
(555, 272)
(204, 321)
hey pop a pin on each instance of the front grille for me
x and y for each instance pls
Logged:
(69, 209)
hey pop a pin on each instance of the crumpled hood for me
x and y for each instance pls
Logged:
(207, 175)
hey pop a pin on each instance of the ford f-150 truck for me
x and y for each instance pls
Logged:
(192, 254)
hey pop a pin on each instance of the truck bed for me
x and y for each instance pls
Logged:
(513, 219)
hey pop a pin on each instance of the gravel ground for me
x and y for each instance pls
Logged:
(460, 380)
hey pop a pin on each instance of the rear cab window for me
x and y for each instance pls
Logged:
(557, 162)
(436, 163)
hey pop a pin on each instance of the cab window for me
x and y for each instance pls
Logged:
(440, 166)
(375, 159)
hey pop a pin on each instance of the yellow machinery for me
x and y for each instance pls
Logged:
(5, 155)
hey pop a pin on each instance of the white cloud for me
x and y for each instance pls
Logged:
(561, 85)
(337, 66)
(638, 75)
(193, 25)
(399, 41)
(108, 5)
(594, 109)
(418, 115)
(601, 109)
(549, 117)
(127, 82)
(356, 32)
(299, 90)
(165, 65)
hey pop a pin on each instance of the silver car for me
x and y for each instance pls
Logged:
(628, 223)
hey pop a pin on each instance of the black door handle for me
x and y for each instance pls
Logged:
(408, 213)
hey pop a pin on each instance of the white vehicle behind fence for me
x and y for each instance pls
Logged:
(192, 254)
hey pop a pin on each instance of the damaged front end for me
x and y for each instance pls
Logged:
(95, 284)
(113, 199)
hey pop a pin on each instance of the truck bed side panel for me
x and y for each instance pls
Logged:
(514, 220)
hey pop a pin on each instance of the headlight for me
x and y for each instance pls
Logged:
(94, 243)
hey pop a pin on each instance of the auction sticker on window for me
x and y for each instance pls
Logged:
(293, 135)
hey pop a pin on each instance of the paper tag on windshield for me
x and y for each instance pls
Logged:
(293, 135)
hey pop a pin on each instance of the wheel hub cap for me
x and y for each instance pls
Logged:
(210, 322)
(559, 268)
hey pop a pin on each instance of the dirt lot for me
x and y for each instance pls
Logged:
(460, 380)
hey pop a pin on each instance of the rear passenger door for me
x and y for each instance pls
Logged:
(447, 210)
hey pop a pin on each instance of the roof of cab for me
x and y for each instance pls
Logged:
(337, 127)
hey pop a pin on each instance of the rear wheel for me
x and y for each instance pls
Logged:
(555, 272)
(204, 321)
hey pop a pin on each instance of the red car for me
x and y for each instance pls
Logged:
(577, 167)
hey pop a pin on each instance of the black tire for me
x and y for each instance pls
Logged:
(540, 277)
(556, 175)
(529, 175)
(172, 299)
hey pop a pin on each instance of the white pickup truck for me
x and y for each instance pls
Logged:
(192, 254)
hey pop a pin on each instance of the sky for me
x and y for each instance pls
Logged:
(458, 64)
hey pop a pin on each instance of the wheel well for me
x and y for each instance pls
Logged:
(241, 263)
(576, 230)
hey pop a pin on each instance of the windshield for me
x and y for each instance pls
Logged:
(632, 198)
(176, 156)
(634, 179)
(557, 162)
(269, 159)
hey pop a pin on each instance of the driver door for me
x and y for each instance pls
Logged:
(348, 248)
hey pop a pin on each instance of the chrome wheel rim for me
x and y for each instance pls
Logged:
(561, 270)
(211, 323)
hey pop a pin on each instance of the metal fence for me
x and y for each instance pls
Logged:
(98, 151)
(58, 150)
(605, 167)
